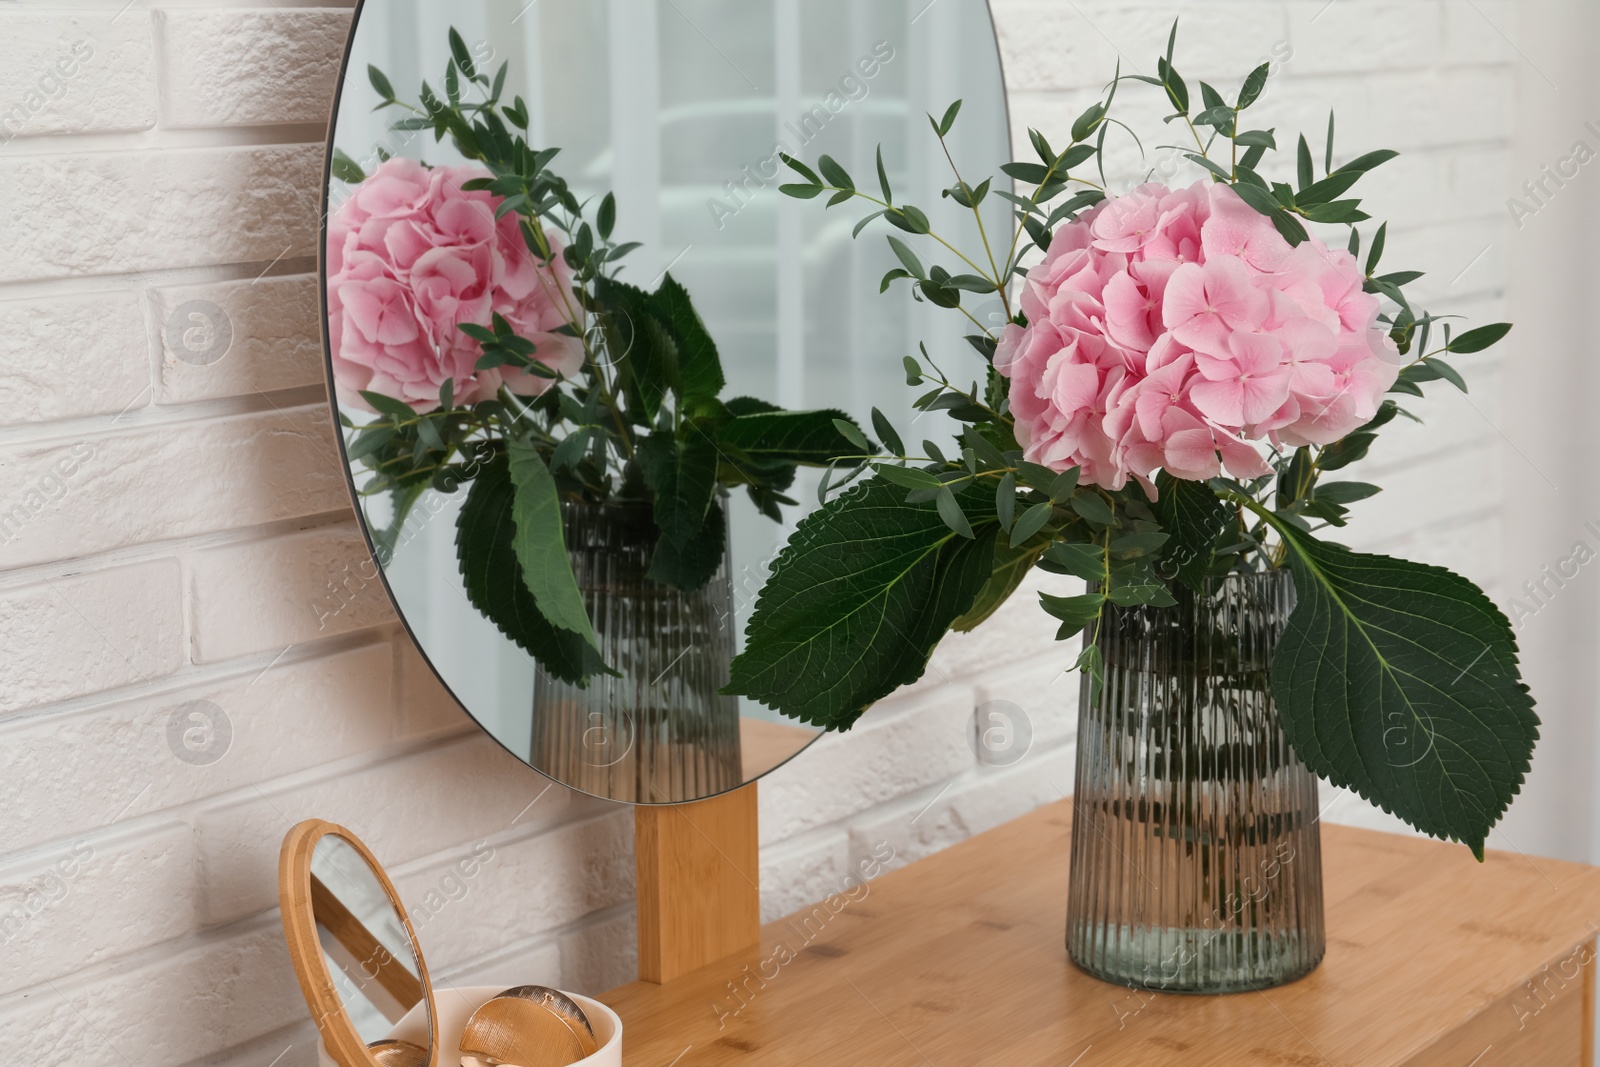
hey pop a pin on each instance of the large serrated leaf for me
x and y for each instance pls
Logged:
(1011, 566)
(1399, 680)
(857, 601)
(493, 581)
(683, 476)
(639, 346)
(540, 544)
(691, 565)
(1193, 517)
(806, 437)
(699, 366)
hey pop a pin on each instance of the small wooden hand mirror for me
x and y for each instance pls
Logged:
(354, 951)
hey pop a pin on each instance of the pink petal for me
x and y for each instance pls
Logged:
(1077, 385)
(1241, 459)
(1150, 407)
(1255, 353)
(1228, 283)
(1220, 401)
(379, 309)
(1128, 313)
(1192, 454)
(1185, 297)
(1261, 396)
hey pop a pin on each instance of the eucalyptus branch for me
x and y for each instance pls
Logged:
(983, 232)
(886, 206)
(973, 319)
(1013, 257)
(941, 379)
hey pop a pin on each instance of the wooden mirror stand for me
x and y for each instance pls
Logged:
(699, 882)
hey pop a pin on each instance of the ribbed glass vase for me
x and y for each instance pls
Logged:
(1196, 856)
(660, 732)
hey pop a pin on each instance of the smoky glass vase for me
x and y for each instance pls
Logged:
(659, 731)
(1196, 855)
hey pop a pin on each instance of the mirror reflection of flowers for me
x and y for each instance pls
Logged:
(478, 314)
(412, 257)
(1165, 395)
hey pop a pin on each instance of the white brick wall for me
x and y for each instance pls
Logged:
(228, 67)
(77, 72)
(276, 340)
(173, 535)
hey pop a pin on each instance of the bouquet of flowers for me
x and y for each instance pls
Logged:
(1178, 374)
(476, 314)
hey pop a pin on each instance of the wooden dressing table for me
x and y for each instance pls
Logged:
(958, 960)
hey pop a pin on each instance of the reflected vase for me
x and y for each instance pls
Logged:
(660, 731)
(1196, 854)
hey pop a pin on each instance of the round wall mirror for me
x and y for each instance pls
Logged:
(479, 353)
(354, 951)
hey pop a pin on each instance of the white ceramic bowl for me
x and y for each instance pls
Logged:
(457, 1005)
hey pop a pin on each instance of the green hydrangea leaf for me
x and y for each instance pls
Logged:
(858, 600)
(540, 542)
(691, 565)
(1399, 680)
(1194, 518)
(493, 580)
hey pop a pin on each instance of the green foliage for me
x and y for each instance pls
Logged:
(641, 348)
(495, 584)
(380, 84)
(1478, 340)
(1011, 565)
(811, 437)
(346, 169)
(682, 476)
(699, 367)
(857, 601)
(691, 563)
(539, 542)
(1075, 612)
(1191, 513)
(1399, 680)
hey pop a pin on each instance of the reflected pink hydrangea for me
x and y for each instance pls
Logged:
(1175, 329)
(411, 257)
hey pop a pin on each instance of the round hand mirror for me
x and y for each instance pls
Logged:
(354, 951)
(591, 366)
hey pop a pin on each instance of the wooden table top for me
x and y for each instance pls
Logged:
(959, 959)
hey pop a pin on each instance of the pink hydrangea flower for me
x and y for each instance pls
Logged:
(1177, 329)
(411, 257)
